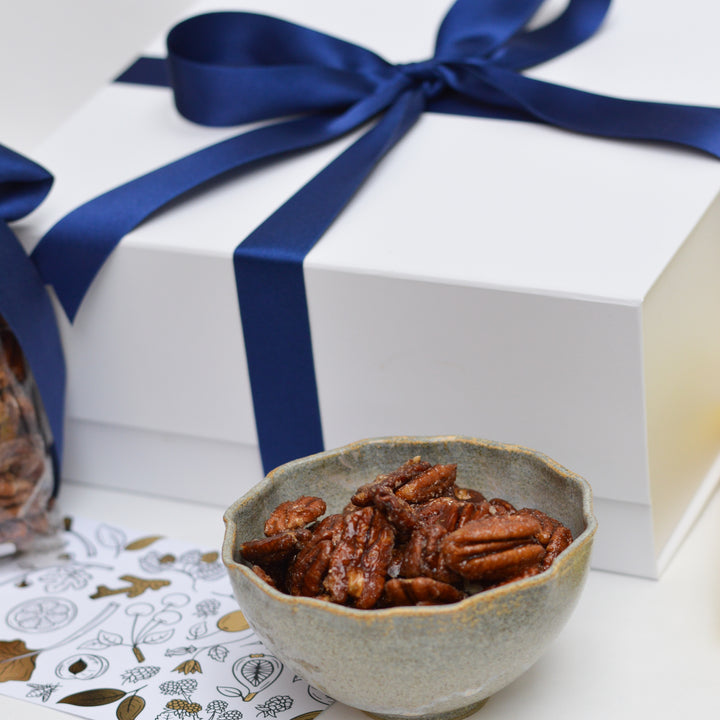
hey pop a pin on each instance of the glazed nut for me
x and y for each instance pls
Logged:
(399, 513)
(422, 556)
(274, 549)
(294, 514)
(494, 547)
(560, 539)
(360, 559)
(308, 570)
(434, 482)
(407, 471)
(22, 457)
(419, 591)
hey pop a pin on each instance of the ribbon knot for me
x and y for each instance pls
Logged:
(232, 68)
(427, 76)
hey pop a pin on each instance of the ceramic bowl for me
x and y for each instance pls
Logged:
(439, 662)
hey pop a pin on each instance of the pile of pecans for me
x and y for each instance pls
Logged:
(410, 537)
(26, 478)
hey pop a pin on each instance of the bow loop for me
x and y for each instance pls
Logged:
(23, 185)
(476, 28)
(231, 68)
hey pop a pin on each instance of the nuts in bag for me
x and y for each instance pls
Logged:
(27, 476)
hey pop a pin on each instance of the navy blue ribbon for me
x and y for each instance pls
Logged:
(24, 302)
(231, 68)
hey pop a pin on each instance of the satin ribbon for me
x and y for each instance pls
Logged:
(234, 68)
(24, 302)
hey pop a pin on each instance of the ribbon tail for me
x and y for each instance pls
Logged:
(693, 126)
(28, 311)
(72, 252)
(272, 295)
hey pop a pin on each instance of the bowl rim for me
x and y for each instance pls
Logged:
(481, 598)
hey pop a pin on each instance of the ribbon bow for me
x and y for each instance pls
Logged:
(24, 302)
(234, 68)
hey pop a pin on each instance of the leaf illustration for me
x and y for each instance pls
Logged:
(142, 543)
(218, 653)
(93, 698)
(233, 622)
(257, 670)
(210, 557)
(17, 662)
(229, 691)
(197, 631)
(158, 637)
(130, 708)
(109, 638)
(110, 537)
(93, 645)
(311, 715)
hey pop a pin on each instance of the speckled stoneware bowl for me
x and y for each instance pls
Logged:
(438, 662)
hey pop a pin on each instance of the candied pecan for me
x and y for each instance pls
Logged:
(419, 591)
(360, 559)
(468, 495)
(274, 549)
(294, 514)
(494, 547)
(498, 506)
(22, 457)
(434, 482)
(400, 514)
(328, 528)
(445, 511)
(547, 524)
(264, 575)
(407, 471)
(307, 571)
(561, 538)
(422, 555)
(474, 511)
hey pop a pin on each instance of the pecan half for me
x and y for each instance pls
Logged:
(432, 483)
(294, 514)
(400, 514)
(469, 495)
(307, 572)
(419, 591)
(494, 547)
(423, 556)
(364, 494)
(561, 538)
(274, 549)
(498, 506)
(360, 559)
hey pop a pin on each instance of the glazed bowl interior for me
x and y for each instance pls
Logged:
(442, 661)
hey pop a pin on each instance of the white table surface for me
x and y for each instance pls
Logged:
(633, 647)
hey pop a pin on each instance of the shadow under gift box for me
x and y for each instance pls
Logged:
(492, 278)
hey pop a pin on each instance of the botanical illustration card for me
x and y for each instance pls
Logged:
(115, 625)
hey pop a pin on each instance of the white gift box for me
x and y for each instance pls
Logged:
(498, 279)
